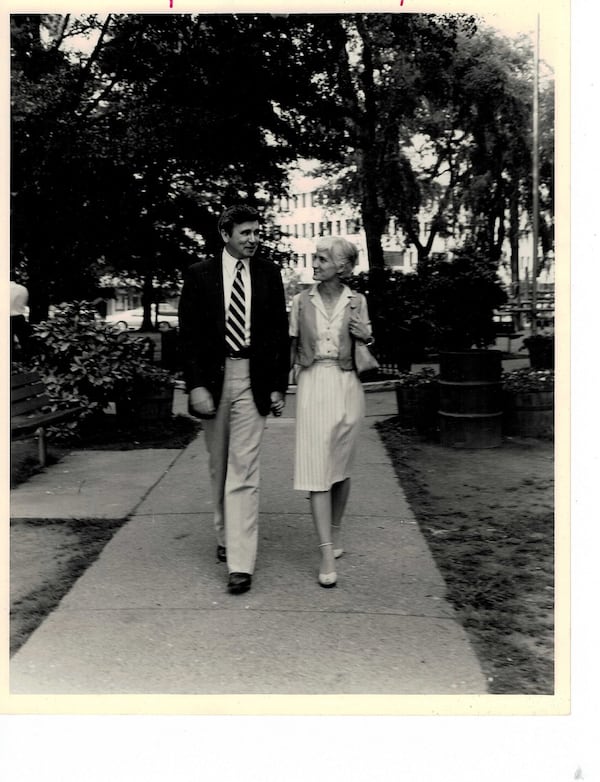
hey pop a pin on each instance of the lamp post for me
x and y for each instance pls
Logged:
(535, 179)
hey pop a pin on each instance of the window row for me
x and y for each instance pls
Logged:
(303, 200)
(327, 228)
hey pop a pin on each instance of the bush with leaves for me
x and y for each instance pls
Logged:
(443, 305)
(85, 362)
(528, 380)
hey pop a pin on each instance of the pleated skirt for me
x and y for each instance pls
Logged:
(330, 406)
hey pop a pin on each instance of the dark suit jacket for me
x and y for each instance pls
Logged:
(202, 330)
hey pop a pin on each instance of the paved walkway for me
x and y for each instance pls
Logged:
(152, 614)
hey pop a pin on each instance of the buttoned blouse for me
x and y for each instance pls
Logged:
(328, 326)
(229, 270)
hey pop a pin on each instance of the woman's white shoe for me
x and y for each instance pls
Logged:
(327, 580)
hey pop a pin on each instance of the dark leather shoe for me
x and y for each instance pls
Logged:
(239, 582)
(221, 553)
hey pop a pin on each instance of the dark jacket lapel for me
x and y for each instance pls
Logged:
(214, 273)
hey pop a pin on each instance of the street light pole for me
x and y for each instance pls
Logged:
(535, 178)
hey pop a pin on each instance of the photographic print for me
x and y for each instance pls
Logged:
(289, 349)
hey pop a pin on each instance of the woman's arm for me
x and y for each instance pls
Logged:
(293, 351)
(360, 325)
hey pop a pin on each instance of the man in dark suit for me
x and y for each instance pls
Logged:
(235, 347)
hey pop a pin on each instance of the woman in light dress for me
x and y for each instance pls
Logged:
(324, 322)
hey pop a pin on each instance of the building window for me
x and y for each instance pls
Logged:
(304, 230)
(304, 260)
(338, 227)
(303, 199)
(312, 231)
(313, 199)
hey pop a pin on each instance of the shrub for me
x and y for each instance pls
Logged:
(443, 305)
(528, 380)
(424, 377)
(541, 350)
(83, 361)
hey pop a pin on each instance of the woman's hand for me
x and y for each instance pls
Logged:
(359, 329)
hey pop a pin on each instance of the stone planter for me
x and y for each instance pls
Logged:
(529, 414)
(541, 351)
(152, 404)
(471, 399)
(418, 407)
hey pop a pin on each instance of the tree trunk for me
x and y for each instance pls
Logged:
(147, 301)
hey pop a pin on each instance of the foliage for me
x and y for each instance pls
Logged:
(424, 377)
(83, 361)
(460, 297)
(433, 118)
(528, 379)
(538, 340)
(541, 350)
(443, 305)
(291, 284)
(124, 154)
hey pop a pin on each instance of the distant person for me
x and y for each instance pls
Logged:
(235, 349)
(324, 321)
(20, 330)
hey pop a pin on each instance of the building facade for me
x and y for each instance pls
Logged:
(302, 217)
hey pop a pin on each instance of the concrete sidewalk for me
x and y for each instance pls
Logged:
(152, 614)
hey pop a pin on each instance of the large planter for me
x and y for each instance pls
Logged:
(529, 413)
(418, 407)
(541, 351)
(149, 404)
(470, 412)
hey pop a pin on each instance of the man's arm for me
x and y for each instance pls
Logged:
(190, 331)
(281, 326)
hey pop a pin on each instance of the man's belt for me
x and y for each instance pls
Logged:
(243, 353)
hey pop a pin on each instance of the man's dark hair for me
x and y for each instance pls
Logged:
(234, 215)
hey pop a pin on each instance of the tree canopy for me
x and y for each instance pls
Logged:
(131, 132)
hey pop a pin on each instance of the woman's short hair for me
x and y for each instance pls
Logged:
(234, 215)
(340, 250)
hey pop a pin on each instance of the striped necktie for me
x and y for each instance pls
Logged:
(235, 332)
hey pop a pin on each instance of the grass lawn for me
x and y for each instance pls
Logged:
(488, 518)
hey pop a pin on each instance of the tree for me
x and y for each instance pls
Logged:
(122, 153)
(372, 70)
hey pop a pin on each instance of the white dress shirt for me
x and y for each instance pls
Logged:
(329, 325)
(229, 264)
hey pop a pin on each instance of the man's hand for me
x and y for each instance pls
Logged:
(277, 403)
(201, 402)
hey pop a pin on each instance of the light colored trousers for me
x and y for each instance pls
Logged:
(233, 438)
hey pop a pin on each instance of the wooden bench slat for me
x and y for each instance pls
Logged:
(36, 389)
(23, 379)
(30, 423)
(28, 398)
(29, 405)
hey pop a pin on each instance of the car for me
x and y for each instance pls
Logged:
(131, 320)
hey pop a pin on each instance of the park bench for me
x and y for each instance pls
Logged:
(30, 410)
